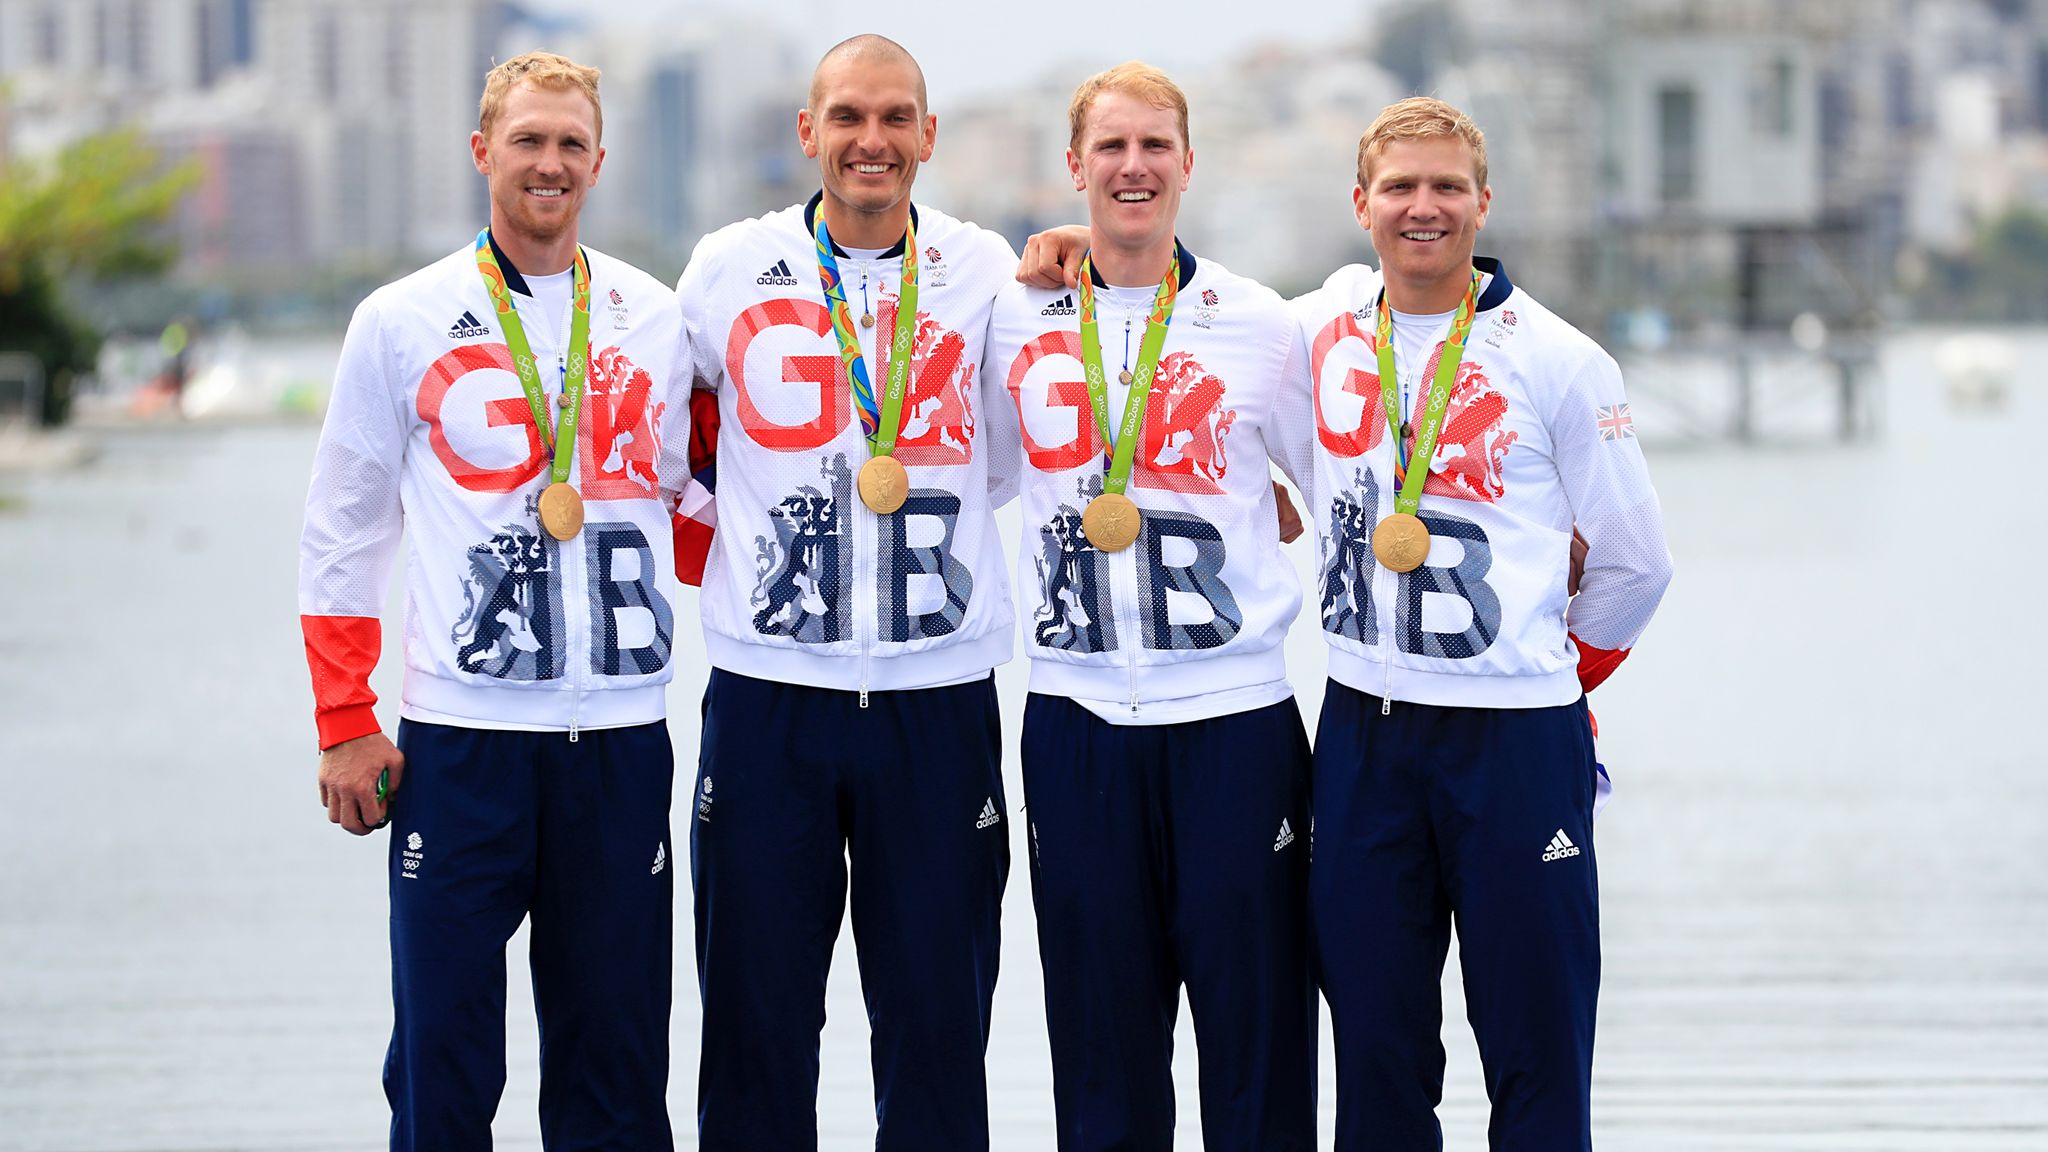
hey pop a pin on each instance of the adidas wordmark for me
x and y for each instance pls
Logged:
(1285, 837)
(1560, 847)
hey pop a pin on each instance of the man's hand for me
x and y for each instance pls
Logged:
(1290, 517)
(348, 781)
(1571, 581)
(1052, 259)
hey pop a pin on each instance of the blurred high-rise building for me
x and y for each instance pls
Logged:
(324, 130)
(699, 126)
(382, 97)
(335, 133)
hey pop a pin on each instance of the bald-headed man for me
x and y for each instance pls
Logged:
(854, 606)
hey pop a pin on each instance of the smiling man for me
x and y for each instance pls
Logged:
(515, 412)
(1165, 762)
(1461, 430)
(854, 606)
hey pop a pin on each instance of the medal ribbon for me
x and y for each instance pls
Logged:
(578, 360)
(1124, 444)
(1408, 479)
(881, 427)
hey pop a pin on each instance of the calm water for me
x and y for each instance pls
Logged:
(1825, 873)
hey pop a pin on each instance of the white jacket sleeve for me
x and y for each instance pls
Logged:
(353, 522)
(1607, 483)
(705, 354)
(1001, 433)
(675, 420)
(1291, 437)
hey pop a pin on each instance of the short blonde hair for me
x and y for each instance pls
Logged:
(1418, 118)
(541, 70)
(1134, 79)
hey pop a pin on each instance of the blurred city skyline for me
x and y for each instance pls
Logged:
(1737, 162)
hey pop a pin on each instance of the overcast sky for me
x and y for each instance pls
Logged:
(970, 48)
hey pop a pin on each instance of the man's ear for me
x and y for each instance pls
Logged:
(807, 133)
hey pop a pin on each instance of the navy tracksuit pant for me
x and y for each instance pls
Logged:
(489, 828)
(1482, 817)
(1164, 855)
(793, 783)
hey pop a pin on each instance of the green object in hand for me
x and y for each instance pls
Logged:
(383, 797)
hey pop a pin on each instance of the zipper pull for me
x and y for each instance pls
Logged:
(1386, 706)
(1134, 699)
(863, 697)
(572, 731)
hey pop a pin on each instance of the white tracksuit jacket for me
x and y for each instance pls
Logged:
(428, 432)
(1538, 437)
(1187, 622)
(805, 584)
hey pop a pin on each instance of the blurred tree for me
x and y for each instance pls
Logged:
(2012, 267)
(92, 213)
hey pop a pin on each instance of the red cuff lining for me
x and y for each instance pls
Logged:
(1596, 664)
(341, 652)
(693, 548)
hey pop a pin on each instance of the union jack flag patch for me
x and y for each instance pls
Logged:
(1615, 423)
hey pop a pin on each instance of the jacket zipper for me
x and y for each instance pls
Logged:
(863, 517)
(1127, 622)
(577, 667)
(1386, 606)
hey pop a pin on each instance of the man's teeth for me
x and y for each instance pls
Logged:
(871, 169)
(1133, 197)
(1422, 235)
(546, 192)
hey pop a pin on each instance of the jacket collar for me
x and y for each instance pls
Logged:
(811, 226)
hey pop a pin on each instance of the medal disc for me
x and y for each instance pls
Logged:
(1124, 377)
(561, 511)
(1110, 522)
(883, 484)
(867, 319)
(1401, 543)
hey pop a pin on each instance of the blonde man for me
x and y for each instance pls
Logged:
(513, 409)
(1454, 771)
(1165, 762)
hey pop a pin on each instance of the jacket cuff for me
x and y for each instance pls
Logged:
(1596, 664)
(341, 652)
(345, 724)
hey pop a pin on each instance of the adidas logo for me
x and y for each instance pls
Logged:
(1064, 306)
(1286, 836)
(1561, 846)
(988, 815)
(660, 859)
(467, 328)
(779, 276)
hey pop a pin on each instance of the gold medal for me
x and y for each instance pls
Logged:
(1124, 377)
(1111, 522)
(1401, 542)
(867, 319)
(883, 484)
(561, 511)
